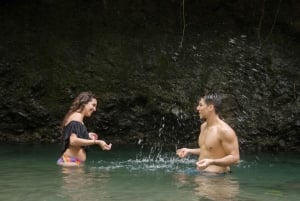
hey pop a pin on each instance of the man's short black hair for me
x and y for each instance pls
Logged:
(215, 99)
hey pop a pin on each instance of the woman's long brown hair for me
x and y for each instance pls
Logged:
(78, 104)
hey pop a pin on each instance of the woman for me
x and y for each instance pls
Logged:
(76, 138)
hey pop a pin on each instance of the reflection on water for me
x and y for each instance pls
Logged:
(219, 188)
(211, 186)
(79, 184)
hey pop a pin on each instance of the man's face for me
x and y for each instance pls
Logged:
(203, 109)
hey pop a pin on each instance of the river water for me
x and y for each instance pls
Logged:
(29, 172)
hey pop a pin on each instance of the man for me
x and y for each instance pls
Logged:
(217, 140)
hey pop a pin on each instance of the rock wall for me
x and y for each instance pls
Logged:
(148, 62)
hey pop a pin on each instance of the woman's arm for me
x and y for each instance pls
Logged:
(76, 141)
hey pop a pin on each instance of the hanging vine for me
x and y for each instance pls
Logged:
(275, 19)
(262, 18)
(183, 21)
(261, 21)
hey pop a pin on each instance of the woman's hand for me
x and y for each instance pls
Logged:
(103, 145)
(93, 136)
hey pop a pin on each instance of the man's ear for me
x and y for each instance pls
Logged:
(211, 107)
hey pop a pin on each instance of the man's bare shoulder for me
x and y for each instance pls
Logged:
(226, 131)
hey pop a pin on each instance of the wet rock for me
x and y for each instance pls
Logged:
(148, 86)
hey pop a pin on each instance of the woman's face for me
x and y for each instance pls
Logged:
(90, 107)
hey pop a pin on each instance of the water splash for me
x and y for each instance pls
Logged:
(153, 160)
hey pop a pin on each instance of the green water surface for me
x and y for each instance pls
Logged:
(29, 172)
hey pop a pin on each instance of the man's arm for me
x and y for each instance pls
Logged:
(231, 148)
(183, 152)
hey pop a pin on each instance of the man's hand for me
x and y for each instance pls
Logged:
(204, 163)
(183, 152)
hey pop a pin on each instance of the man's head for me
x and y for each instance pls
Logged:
(208, 104)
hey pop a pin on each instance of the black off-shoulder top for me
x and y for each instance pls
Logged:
(78, 129)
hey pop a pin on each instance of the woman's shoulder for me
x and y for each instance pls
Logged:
(73, 123)
(74, 126)
(76, 116)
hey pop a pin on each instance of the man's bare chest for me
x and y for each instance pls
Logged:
(209, 139)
